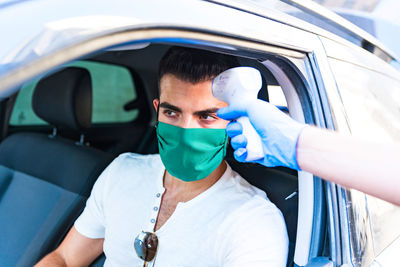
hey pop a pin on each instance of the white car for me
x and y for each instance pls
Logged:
(76, 83)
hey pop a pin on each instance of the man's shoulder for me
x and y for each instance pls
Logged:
(258, 207)
(130, 156)
(246, 199)
(250, 201)
(255, 226)
(253, 221)
(132, 168)
(259, 214)
(241, 191)
(133, 160)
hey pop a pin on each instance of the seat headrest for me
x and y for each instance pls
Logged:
(64, 99)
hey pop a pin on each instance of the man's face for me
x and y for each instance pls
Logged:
(188, 105)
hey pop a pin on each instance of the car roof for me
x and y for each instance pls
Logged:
(35, 27)
(312, 17)
(38, 27)
(302, 14)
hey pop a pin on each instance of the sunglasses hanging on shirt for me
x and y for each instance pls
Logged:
(146, 244)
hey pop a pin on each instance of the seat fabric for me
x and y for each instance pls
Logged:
(56, 160)
(45, 180)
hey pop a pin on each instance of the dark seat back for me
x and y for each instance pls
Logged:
(45, 179)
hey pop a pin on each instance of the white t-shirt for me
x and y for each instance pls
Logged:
(231, 224)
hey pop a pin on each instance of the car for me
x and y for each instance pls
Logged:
(76, 83)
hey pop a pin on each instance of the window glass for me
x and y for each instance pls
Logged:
(22, 113)
(372, 104)
(385, 219)
(113, 87)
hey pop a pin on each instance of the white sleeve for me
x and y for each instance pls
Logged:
(91, 223)
(254, 236)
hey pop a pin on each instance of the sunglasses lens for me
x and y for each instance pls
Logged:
(146, 244)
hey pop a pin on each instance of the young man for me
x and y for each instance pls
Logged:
(186, 203)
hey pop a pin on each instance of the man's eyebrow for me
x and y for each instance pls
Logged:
(206, 111)
(169, 106)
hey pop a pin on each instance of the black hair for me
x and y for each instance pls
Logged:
(194, 65)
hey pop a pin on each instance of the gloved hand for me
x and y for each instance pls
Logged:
(278, 132)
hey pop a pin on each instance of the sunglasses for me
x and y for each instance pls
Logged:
(146, 244)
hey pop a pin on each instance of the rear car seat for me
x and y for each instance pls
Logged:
(45, 179)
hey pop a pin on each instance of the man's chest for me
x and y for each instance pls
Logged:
(189, 228)
(177, 235)
(167, 208)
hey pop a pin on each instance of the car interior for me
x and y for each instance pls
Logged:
(61, 130)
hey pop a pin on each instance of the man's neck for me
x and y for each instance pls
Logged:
(185, 191)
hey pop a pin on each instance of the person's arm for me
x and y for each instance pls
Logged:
(366, 166)
(363, 165)
(75, 250)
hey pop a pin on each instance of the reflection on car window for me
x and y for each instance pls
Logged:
(372, 103)
(113, 87)
(385, 218)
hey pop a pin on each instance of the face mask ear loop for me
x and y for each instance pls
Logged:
(157, 111)
(226, 143)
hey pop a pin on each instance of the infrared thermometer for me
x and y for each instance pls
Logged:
(235, 85)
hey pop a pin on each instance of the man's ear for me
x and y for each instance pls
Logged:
(156, 102)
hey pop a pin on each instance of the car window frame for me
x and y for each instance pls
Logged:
(214, 41)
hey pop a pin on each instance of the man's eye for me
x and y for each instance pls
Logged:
(208, 117)
(169, 113)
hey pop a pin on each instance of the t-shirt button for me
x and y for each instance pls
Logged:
(158, 195)
(153, 221)
(155, 208)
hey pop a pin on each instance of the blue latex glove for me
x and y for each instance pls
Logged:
(279, 133)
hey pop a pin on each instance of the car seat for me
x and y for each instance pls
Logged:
(45, 179)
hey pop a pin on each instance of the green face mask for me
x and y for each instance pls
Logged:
(190, 154)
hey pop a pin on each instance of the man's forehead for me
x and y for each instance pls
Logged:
(173, 84)
(186, 95)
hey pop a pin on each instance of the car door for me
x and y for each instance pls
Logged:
(294, 56)
(371, 99)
